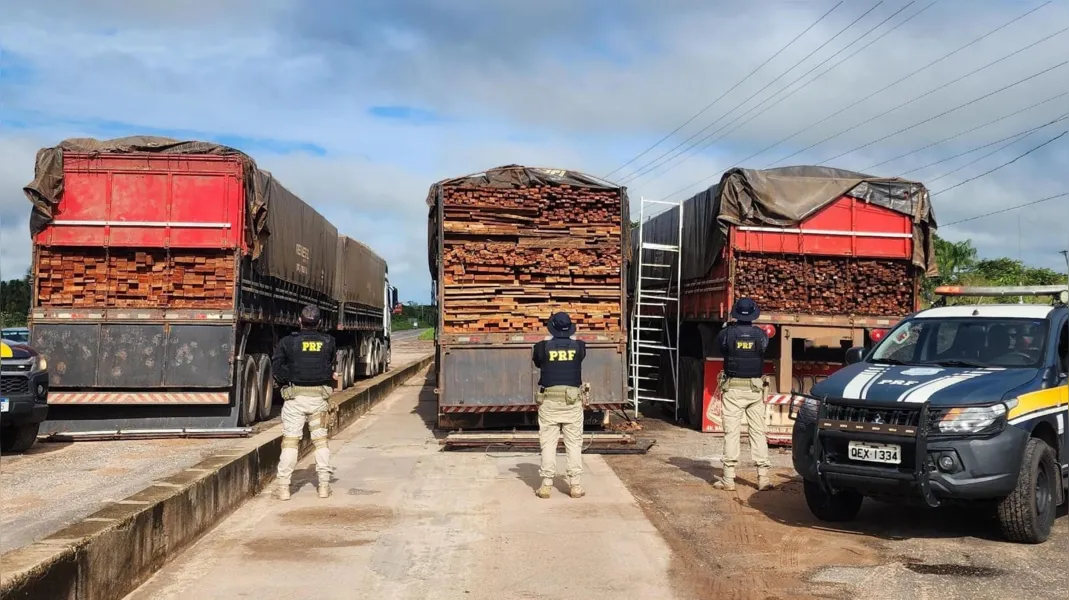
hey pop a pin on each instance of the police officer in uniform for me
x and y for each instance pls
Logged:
(304, 365)
(561, 397)
(742, 390)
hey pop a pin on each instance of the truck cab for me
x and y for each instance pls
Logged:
(956, 404)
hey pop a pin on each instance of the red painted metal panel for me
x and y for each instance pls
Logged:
(149, 201)
(847, 227)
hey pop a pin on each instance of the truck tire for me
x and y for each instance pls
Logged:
(1027, 514)
(350, 367)
(248, 392)
(19, 438)
(341, 369)
(265, 377)
(833, 508)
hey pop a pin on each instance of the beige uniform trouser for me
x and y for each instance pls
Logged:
(745, 397)
(554, 415)
(307, 404)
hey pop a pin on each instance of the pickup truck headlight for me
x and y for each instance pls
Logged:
(40, 363)
(808, 408)
(973, 419)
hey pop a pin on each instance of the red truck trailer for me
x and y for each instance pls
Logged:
(165, 272)
(833, 258)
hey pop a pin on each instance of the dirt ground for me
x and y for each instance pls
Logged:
(750, 545)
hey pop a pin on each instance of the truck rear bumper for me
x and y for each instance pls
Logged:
(139, 398)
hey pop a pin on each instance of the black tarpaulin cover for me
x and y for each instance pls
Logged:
(783, 197)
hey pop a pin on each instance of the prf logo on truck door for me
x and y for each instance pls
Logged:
(305, 257)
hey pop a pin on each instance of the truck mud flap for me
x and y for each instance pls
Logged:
(593, 442)
(133, 355)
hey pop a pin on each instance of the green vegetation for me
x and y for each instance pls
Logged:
(15, 302)
(959, 264)
(415, 316)
(427, 335)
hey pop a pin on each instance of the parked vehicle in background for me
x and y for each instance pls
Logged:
(164, 274)
(23, 395)
(20, 335)
(963, 403)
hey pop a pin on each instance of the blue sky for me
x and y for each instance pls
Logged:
(359, 106)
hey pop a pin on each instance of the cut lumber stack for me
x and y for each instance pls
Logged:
(120, 278)
(825, 286)
(513, 257)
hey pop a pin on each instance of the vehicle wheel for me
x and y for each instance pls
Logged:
(250, 392)
(350, 367)
(339, 360)
(267, 386)
(1027, 514)
(19, 438)
(840, 506)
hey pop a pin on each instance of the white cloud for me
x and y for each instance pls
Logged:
(557, 83)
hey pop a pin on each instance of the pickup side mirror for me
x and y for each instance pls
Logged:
(855, 355)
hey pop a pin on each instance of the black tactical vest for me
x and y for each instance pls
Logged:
(563, 363)
(311, 355)
(745, 356)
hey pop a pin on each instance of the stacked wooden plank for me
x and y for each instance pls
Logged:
(512, 257)
(826, 285)
(120, 278)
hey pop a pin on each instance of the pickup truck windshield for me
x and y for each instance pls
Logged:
(965, 342)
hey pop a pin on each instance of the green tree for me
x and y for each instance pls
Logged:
(955, 259)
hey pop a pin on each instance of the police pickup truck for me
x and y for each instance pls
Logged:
(964, 403)
(23, 395)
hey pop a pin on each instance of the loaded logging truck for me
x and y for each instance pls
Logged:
(833, 259)
(164, 273)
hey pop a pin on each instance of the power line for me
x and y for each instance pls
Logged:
(928, 120)
(944, 113)
(966, 132)
(793, 92)
(721, 97)
(911, 101)
(988, 172)
(1013, 139)
(1005, 210)
(637, 173)
(900, 80)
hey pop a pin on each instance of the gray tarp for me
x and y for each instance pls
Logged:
(784, 197)
(515, 177)
(289, 223)
(361, 274)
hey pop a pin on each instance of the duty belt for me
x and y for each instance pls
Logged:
(291, 391)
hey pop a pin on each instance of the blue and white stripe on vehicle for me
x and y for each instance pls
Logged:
(924, 392)
(858, 387)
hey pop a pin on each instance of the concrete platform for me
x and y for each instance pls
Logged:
(408, 521)
(110, 552)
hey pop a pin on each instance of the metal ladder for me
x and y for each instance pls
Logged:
(655, 320)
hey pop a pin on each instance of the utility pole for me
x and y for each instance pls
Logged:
(1065, 253)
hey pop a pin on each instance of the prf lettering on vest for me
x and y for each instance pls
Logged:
(311, 346)
(555, 355)
(743, 345)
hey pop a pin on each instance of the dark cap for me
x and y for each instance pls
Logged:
(560, 325)
(745, 310)
(310, 316)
